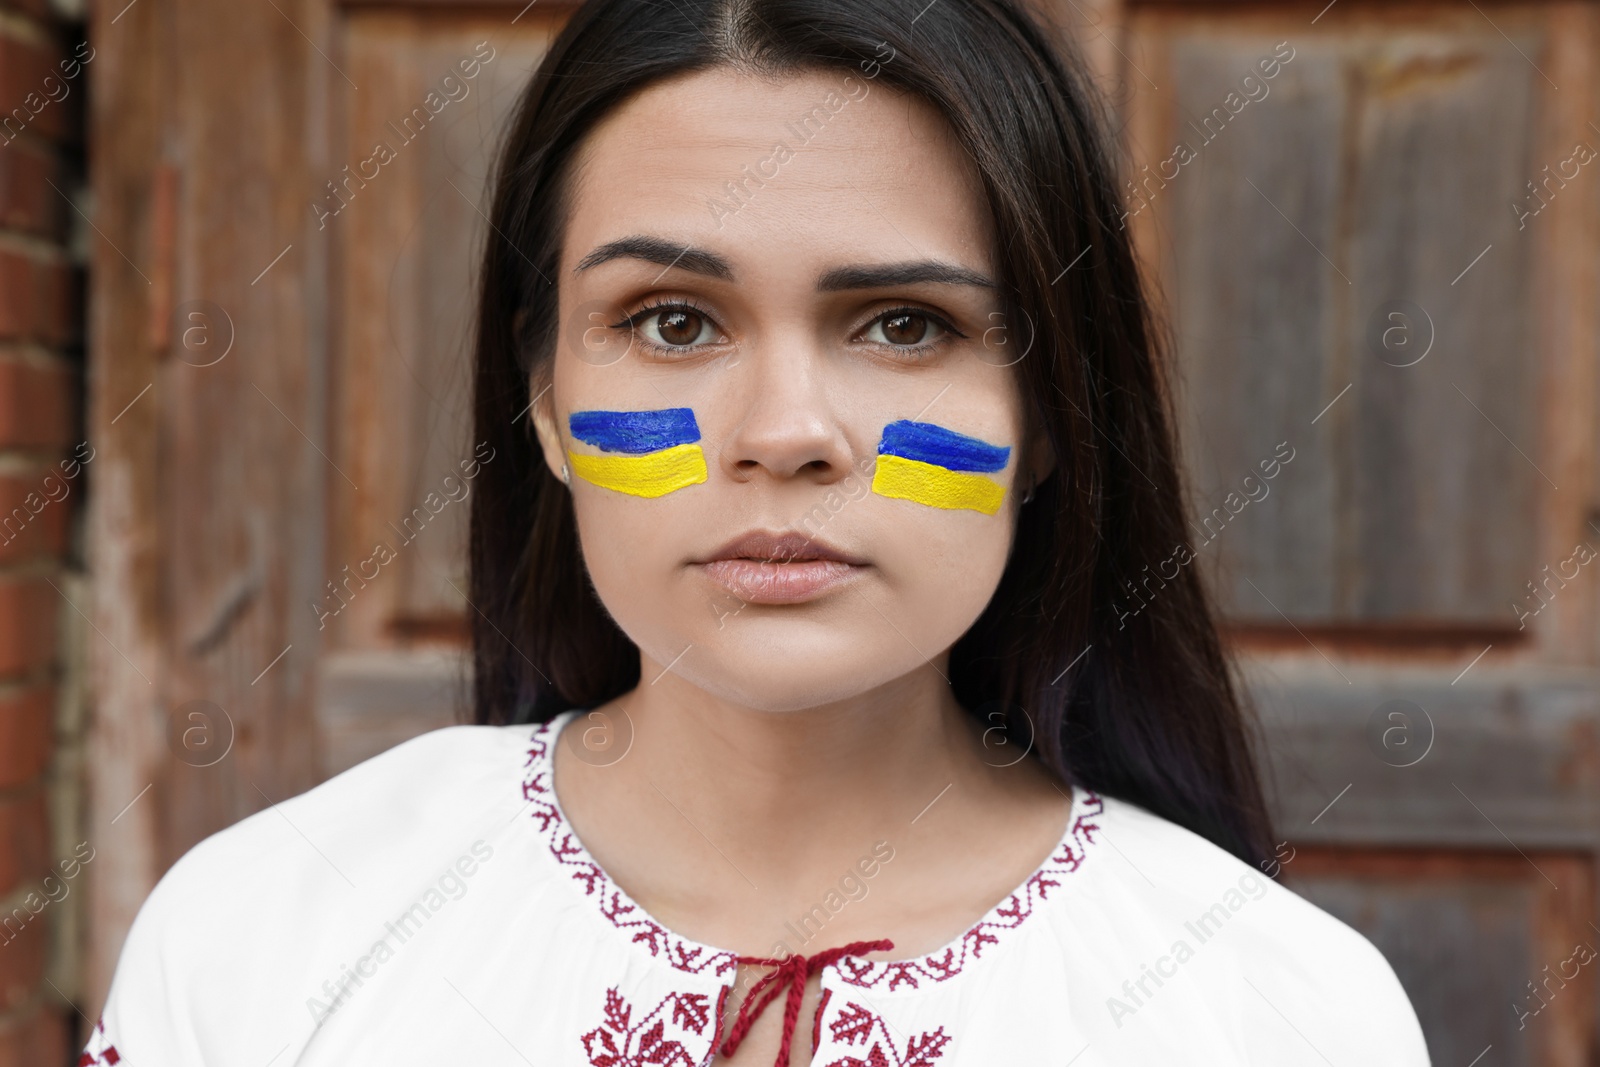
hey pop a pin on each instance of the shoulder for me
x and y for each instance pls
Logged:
(1228, 934)
(417, 789)
(241, 914)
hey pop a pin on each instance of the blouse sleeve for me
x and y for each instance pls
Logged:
(212, 943)
(225, 947)
(202, 975)
(145, 1020)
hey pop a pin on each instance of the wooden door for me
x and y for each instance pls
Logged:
(1367, 296)
(1376, 248)
(406, 246)
(277, 386)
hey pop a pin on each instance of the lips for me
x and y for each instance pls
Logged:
(780, 548)
(766, 568)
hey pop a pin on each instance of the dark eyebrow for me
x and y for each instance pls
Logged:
(656, 250)
(879, 276)
(892, 274)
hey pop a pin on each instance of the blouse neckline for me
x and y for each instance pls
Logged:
(685, 954)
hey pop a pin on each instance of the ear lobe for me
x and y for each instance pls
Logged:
(542, 416)
(1041, 459)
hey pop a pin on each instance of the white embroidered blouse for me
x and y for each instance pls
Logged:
(432, 906)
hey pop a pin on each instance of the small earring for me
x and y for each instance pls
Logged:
(566, 476)
(1029, 495)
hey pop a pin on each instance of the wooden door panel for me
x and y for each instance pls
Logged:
(1346, 270)
(1490, 947)
(406, 247)
(1291, 216)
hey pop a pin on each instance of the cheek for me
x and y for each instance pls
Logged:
(940, 468)
(940, 567)
(639, 479)
(940, 498)
(645, 454)
(631, 557)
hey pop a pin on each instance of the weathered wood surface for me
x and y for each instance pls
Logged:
(406, 247)
(206, 523)
(1466, 934)
(1375, 167)
(231, 488)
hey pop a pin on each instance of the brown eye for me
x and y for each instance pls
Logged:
(673, 326)
(905, 328)
(679, 327)
(909, 328)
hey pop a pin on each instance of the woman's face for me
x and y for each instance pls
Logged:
(808, 269)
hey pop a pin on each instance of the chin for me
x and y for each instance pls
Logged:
(794, 680)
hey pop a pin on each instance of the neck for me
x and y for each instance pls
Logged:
(749, 827)
(779, 785)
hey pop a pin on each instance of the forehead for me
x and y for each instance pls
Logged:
(795, 172)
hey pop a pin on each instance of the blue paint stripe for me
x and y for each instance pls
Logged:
(943, 448)
(635, 432)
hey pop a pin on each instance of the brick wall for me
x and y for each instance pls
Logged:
(42, 480)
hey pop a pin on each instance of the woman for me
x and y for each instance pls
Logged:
(818, 655)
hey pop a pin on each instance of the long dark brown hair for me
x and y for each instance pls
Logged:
(1139, 703)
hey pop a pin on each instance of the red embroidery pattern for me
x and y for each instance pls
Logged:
(816, 1020)
(1005, 916)
(99, 1050)
(615, 906)
(674, 1034)
(858, 1025)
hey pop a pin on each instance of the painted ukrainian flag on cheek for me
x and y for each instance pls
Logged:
(928, 464)
(657, 450)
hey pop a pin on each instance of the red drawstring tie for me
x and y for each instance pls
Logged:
(793, 972)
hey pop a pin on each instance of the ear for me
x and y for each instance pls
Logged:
(542, 413)
(1039, 462)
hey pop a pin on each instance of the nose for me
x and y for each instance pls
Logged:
(787, 422)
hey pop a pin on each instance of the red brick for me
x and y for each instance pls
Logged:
(26, 735)
(37, 8)
(37, 1038)
(26, 102)
(33, 514)
(27, 202)
(24, 841)
(28, 611)
(36, 405)
(37, 298)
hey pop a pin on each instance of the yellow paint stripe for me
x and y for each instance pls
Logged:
(925, 483)
(650, 475)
